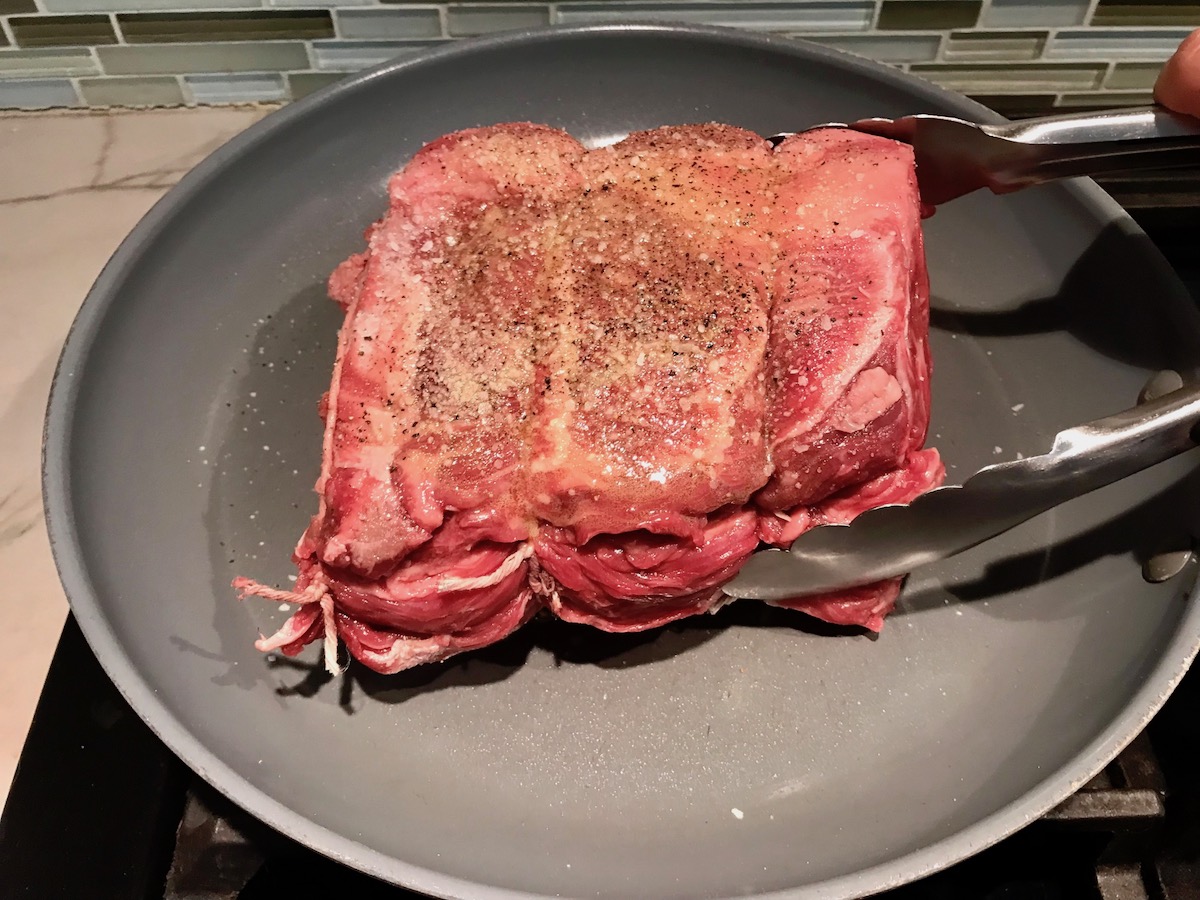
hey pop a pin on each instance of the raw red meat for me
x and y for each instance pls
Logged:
(594, 381)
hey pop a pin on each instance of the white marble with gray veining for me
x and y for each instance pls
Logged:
(71, 186)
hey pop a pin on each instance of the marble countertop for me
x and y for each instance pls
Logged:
(72, 185)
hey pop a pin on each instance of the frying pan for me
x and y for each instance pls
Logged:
(753, 753)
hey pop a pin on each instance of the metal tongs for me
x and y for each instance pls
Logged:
(890, 541)
(955, 157)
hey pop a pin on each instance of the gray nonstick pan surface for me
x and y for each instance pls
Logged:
(749, 753)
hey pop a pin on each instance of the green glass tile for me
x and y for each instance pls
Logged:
(37, 93)
(1133, 75)
(67, 61)
(353, 56)
(1034, 13)
(252, 87)
(309, 3)
(133, 91)
(131, 5)
(382, 24)
(888, 48)
(199, 27)
(1104, 99)
(186, 59)
(1124, 12)
(989, 78)
(912, 14)
(972, 46)
(61, 31)
(3, 39)
(1017, 106)
(1125, 44)
(304, 83)
(817, 15)
(486, 18)
(16, 7)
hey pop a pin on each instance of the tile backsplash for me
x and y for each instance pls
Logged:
(1019, 56)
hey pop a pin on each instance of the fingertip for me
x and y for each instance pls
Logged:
(1191, 43)
(1178, 84)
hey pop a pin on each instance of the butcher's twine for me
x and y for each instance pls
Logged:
(310, 594)
(542, 584)
(331, 636)
(506, 568)
(317, 592)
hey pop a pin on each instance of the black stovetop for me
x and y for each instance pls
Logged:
(100, 808)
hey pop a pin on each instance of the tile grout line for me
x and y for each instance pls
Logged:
(100, 70)
(185, 91)
(943, 47)
(1051, 38)
(984, 8)
(6, 30)
(117, 29)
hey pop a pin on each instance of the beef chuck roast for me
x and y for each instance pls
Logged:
(595, 381)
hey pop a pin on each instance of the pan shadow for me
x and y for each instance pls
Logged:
(1103, 301)
(260, 495)
(1120, 300)
(1166, 521)
(565, 643)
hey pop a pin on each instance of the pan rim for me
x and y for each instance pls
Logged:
(109, 649)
